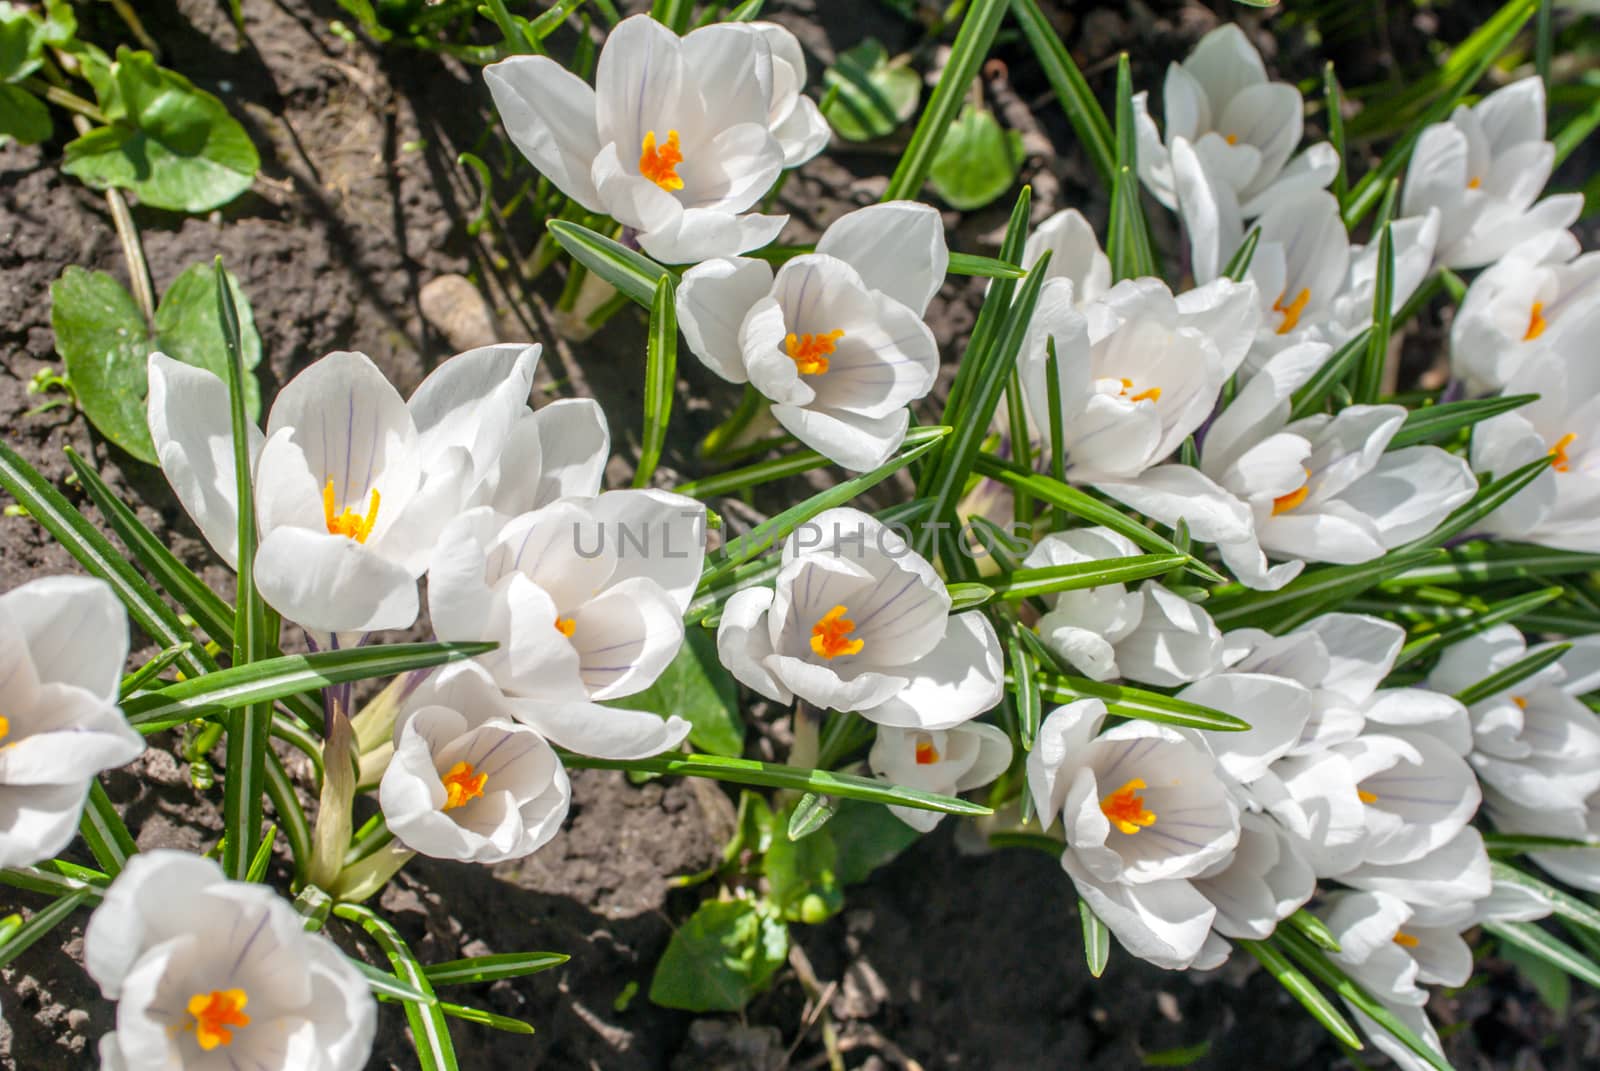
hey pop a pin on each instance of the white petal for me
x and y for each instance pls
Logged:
(190, 425)
(659, 535)
(550, 115)
(1165, 922)
(75, 629)
(898, 247)
(959, 679)
(471, 401)
(744, 642)
(854, 442)
(333, 584)
(603, 732)
(713, 299)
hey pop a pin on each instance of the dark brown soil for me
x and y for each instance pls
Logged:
(943, 960)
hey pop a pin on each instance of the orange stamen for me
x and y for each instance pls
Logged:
(1285, 503)
(1366, 797)
(1126, 808)
(5, 727)
(1522, 704)
(1405, 940)
(1559, 451)
(658, 163)
(1536, 322)
(810, 352)
(1291, 312)
(462, 785)
(828, 635)
(1233, 139)
(566, 626)
(215, 1013)
(927, 754)
(349, 523)
(1474, 182)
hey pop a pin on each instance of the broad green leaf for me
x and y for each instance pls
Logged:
(722, 956)
(869, 95)
(977, 162)
(695, 687)
(866, 836)
(105, 345)
(172, 144)
(21, 42)
(772, 775)
(967, 53)
(23, 116)
(801, 880)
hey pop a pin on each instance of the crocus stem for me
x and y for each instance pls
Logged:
(807, 726)
(360, 880)
(330, 838)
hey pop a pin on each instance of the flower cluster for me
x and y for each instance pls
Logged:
(1228, 757)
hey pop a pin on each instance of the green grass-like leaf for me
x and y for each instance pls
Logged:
(630, 271)
(660, 379)
(1088, 119)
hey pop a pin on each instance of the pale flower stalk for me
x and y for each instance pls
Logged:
(678, 139)
(857, 621)
(63, 644)
(215, 975)
(834, 339)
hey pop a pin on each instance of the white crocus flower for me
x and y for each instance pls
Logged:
(1264, 882)
(63, 642)
(1322, 488)
(1456, 871)
(859, 621)
(947, 761)
(352, 483)
(1534, 743)
(214, 975)
(585, 599)
(1483, 170)
(1511, 305)
(1075, 255)
(467, 780)
(1142, 376)
(1558, 508)
(1579, 820)
(835, 339)
(557, 451)
(1134, 867)
(679, 137)
(1221, 108)
(1150, 635)
(1276, 709)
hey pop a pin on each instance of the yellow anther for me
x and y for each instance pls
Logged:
(1233, 139)
(1126, 808)
(462, 785)
(5, 727)
(927, 754)
(828, 635)
(659, 163)
(215, 1013)
(1536, 322)
(1474, 182)
(1369, 798)
(810, 352)
(1405, 940)
(1291, 312)
(1285, 503)
(1559, 451)
(349, 523)
(566, 626)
